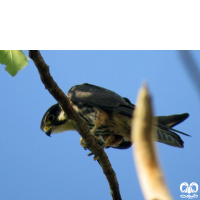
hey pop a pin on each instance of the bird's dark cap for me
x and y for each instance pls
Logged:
(53, 109)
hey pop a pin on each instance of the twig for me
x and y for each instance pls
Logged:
(149, 172)
(191, 67)
(82, 128)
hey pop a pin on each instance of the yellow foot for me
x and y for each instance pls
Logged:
(108, 141)
(95, 128)
(96, 158)
(101, 118)
(82, 143)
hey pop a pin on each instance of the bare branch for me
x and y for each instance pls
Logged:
(191, 67)
(149, 172)
(82, 128)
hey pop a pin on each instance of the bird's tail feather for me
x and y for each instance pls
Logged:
(168, 137)
(166, 134)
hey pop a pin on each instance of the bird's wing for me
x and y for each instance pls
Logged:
(91, 95)
(172, 120)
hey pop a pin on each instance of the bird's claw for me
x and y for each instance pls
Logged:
(90, 154)
(95, 157)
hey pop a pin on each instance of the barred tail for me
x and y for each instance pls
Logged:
(168, 135)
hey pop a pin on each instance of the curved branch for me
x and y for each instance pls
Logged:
(82, 128)
(149, 171)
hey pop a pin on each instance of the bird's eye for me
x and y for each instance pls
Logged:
(50, 118)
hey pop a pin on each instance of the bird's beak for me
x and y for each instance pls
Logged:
(47, 130)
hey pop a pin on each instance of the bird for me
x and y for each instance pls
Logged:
(108, 117)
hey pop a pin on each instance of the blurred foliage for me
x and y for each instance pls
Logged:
(15, 60)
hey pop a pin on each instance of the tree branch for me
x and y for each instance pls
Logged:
(82, 128)
(191, 67)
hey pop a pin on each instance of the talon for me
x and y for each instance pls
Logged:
(96, 158)
(82, 143)
(89, 154)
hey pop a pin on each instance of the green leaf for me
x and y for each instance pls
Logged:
(15, 60)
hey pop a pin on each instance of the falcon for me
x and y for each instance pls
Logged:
(108, 116)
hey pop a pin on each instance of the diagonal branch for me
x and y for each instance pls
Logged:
(192, 67)
(82, 128)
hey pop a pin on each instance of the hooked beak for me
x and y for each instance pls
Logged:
(47, 130)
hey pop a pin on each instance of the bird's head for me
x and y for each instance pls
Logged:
(55, 121)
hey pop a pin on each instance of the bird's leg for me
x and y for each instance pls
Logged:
(108, 141)
(94, 129)
(97, 125)
(101, 118)
(82, 143)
